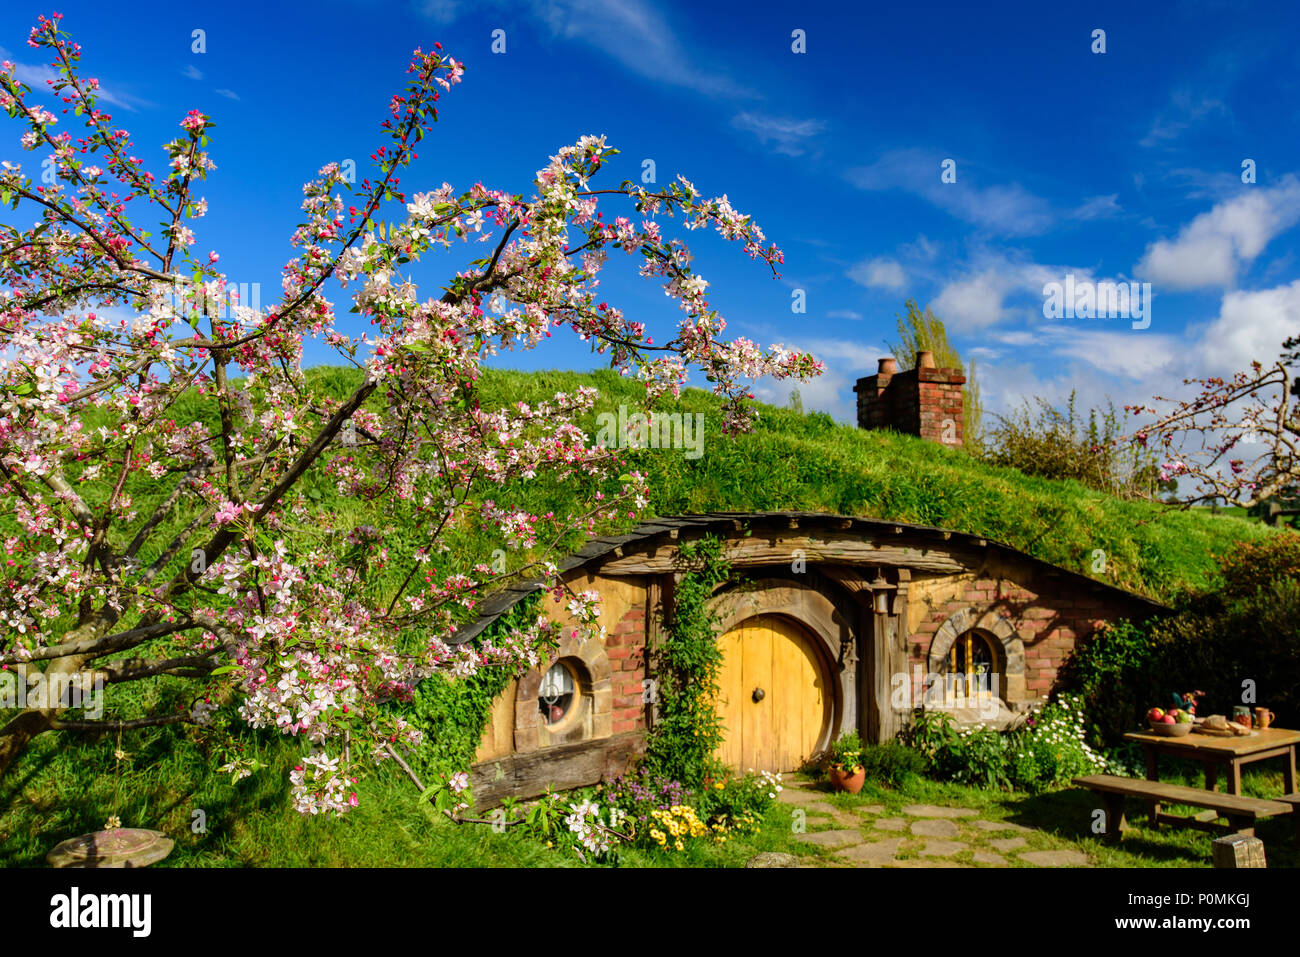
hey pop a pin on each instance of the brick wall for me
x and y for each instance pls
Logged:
(1048, 622)
(625, 647)
(924, 401)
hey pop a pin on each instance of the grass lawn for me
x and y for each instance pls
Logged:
(62, 793)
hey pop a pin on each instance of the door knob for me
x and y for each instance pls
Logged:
(759, 695)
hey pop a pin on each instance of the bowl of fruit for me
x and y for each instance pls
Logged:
(1170, 724)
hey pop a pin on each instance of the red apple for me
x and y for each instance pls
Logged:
(1169, 719)
(1154, 715)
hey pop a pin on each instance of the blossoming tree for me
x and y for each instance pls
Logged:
(125, 365)
(1203, 438)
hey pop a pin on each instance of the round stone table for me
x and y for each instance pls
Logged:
(120, 847)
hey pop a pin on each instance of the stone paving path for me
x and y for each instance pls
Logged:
(926, 836)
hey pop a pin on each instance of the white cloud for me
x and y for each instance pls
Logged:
(1134, 354)
(1186, 112)
(1211, 249)
(978, 299)
(786, 135)
(1251, 326)
(193, 72)
(1098, 207)
(1007, 209)
(878, 273)
(844, 314)
(37, 75)
(228, 94)
(632, 32)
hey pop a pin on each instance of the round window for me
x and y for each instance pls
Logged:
(556, 694)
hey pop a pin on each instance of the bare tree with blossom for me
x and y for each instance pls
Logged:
(219, 569)
(1203, 440)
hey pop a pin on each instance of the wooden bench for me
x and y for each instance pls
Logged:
(1241, 812)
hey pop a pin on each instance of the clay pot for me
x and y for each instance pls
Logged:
(841, 780)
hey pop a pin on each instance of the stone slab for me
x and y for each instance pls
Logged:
(872, 854)
(830, 839)
(988, 857)
(890, 824)
(943, 848)
(934, 828)
(999, 826)
(1007, 844)
(1056, 858)
(800, 796)
(772, 859)
(928, 862)
(931, 810)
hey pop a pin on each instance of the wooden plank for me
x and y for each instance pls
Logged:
(568, 766)
(1177, 794)
(729, 699)
(786, 697)
(755, 672)
(844, 549)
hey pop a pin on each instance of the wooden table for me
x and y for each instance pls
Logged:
(1230, 753)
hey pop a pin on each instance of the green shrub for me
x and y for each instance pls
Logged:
(892, 764)
(1117, 672)
(966, 755)
(453, 712)
(1052, 748)
(1248, 629)
(1048, 750)
(1250, 566)
(1056, 444)
(688, 732)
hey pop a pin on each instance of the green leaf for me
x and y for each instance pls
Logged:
(224, 670)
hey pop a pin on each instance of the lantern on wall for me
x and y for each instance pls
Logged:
(882, 594)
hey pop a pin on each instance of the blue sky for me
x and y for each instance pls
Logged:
(1124, 165)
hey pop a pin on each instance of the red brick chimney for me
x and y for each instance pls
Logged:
(924, 400)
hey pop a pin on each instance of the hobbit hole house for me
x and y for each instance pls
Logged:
(829, 623)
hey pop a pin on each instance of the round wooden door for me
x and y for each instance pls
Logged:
(772, 695)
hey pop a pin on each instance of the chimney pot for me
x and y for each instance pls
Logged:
(925, 360)
(888, 366)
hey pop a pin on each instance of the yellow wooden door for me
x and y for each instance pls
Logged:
(781, 729)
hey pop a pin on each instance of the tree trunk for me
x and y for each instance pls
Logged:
(15, 736)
